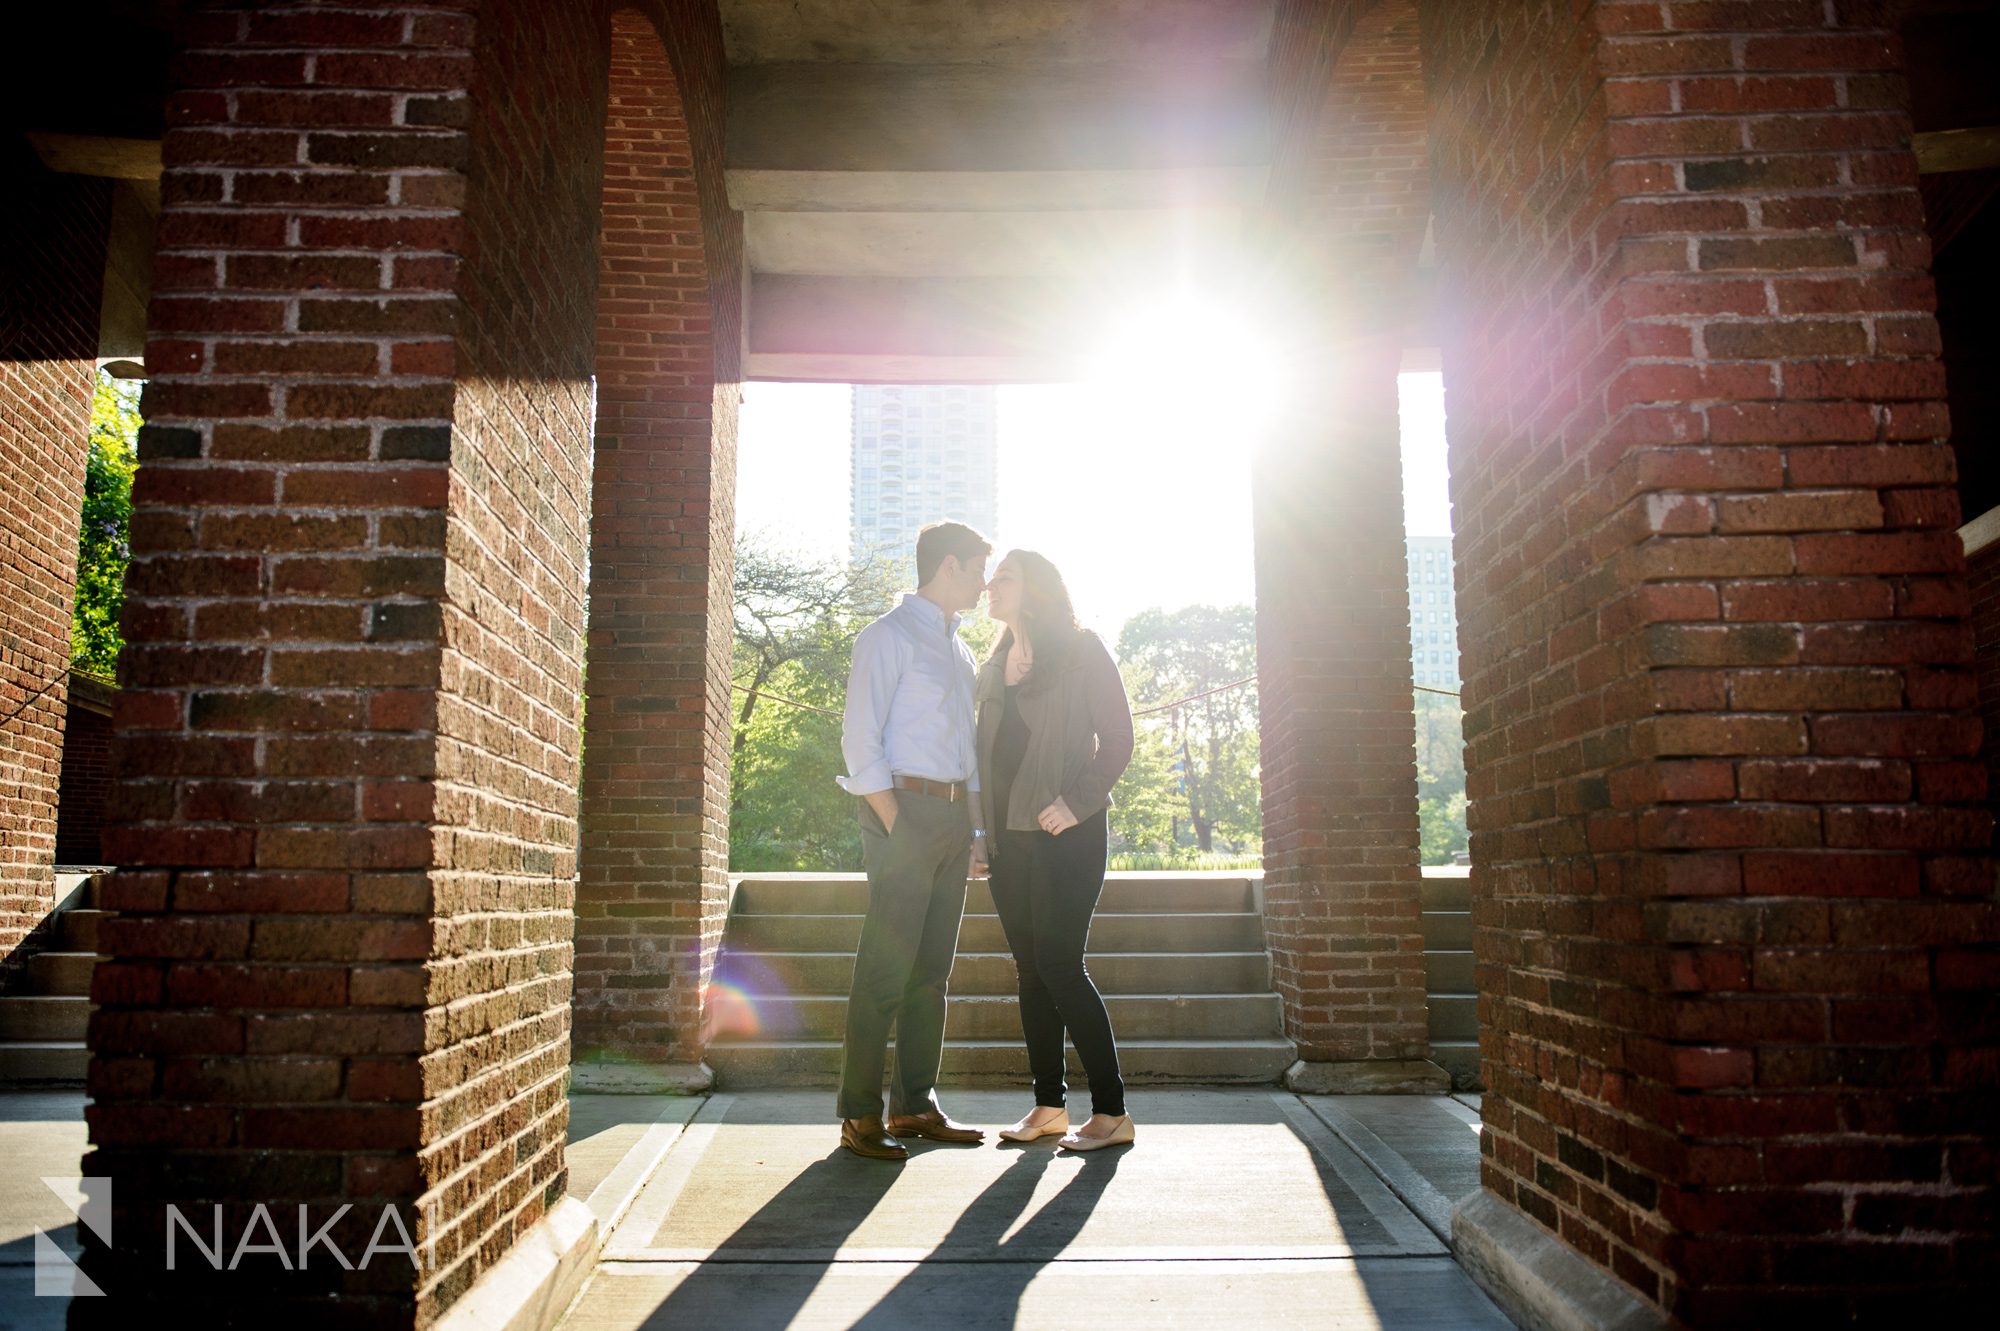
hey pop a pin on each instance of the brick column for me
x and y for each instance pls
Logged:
(1338, 761)
(1338, 758)
(1983, 587)
(52, 239)
(1735, 931)
(339, 974)
(655, 886)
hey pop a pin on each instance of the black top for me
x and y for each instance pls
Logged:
(1010, 746)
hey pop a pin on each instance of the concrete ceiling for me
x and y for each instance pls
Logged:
(947, 189)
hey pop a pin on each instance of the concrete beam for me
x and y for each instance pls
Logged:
(855, 119)
(919, 318)
(1024, 329)
(1957, 149)
(754, 190)
(128, 270)
(94, 155)
(1020, 32)
(987, 244)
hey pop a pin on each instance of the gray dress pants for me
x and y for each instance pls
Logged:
(916, 896)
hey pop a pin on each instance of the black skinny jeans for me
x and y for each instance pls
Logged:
(1045, 889)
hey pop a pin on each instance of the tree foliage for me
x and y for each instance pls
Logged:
(796, 621)
(1210, 779)
(103, 538)
(1440, 777)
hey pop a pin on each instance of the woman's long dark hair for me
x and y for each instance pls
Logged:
(1047, 615)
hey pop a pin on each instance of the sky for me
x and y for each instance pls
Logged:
(1138, 490)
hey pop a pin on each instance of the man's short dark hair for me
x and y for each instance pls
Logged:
(941, 539)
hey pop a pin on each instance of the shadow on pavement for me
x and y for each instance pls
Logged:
(1010, 1263)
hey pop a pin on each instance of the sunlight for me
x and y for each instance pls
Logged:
(1190, 366)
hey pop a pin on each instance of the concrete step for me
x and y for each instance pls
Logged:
(43, 1062)
(991, 1017)
(974, 973)
(1452, 894)
(43, 1017)
(1447, 931)
(1114, 932)
(817, 1062)
(847, 894)
(1449, 973)
(61, 973)
(1461, 1059)
(1454, 1016)
(79, 928)
(72, 879)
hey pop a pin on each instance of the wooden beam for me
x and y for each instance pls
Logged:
(1957, 149)
(92, 155)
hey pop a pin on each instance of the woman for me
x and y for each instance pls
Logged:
(1055, 733)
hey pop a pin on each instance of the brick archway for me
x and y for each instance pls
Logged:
(54, 238)
(1736, 925)
(653, 889)
(1734, 915)
(341, 969)
(1349, 202)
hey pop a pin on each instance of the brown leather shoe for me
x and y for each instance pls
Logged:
(866, 1137)
(933, 1126)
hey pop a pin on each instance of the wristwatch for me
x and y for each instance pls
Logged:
(978, 832)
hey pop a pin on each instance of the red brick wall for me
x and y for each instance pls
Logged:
(1735, 939)
(654, 888)
(86, 773)
(1983, 583)
(347, 746)
(503, 836)
(1339, 779)
(52, 238)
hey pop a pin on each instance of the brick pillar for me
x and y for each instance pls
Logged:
(52, 238)
(86, 771)
(655, 887)
(1338, 761)
(339, 974)
(1735, 931)
(1983, 585)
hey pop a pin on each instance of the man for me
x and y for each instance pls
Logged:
(907, 736)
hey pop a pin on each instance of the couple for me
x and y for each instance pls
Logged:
(960, 767)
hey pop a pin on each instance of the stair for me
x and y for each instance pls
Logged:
(1180, 959)
(1452, 992)
(44, 1020)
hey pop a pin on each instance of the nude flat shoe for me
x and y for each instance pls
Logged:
(1118, 1136)
(1054, 1127)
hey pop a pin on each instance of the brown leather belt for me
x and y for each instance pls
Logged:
(944, 790)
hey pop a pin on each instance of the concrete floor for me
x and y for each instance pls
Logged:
(1237, 1206)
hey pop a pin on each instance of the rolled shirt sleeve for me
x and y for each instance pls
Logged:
(969, 677)
(871, 688)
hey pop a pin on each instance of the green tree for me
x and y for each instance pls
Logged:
(103, 538)
(796, 621)
(1170, 655)
(1147, 802)
(1440, 738)
(786, 811)
(790, 610)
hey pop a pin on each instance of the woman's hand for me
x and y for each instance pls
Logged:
(1057, 819)
(977, 868)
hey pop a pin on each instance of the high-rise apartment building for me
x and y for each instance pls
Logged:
(1433, 614)
(922, 453)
